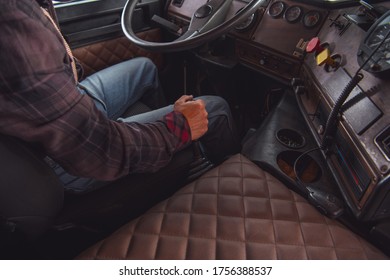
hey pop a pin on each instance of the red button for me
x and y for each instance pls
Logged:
(314, 45)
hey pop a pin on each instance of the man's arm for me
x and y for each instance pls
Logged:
(40, 104)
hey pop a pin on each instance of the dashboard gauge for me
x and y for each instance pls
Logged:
(377, 44)
(293, 14)
(311, 18)
(276, 9)
(246, 23)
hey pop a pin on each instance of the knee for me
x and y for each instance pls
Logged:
(215, 103)
(145, 63)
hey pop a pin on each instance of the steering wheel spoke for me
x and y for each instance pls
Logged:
(210, 15)
(207, 23)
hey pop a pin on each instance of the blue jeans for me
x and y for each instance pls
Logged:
(116, 88)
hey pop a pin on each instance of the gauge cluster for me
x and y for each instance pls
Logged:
(275, 45)
(374, 51)
(294, 14)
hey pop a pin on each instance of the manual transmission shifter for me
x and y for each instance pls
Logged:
(201, 163)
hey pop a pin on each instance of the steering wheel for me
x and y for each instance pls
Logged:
(207, 23)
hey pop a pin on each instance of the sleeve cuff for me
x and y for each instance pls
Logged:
(178, 126)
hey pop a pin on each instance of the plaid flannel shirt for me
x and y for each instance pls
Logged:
(40, 104)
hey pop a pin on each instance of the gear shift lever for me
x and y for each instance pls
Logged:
(201, 163)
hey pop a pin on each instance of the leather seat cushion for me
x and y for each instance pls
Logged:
(234, 211)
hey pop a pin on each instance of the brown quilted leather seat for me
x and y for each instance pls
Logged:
(235, 211)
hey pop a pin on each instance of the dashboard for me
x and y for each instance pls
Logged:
(272, 39)
(361, 161)
(320, 46)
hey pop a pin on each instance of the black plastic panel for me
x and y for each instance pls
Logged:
(356, 103)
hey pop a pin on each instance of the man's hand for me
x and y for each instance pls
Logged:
(195, 113)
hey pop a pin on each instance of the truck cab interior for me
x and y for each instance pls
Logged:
(307, 83)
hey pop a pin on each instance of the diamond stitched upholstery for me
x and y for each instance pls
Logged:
(100, 55)
(235, 211)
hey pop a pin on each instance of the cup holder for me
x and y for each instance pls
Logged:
(290, 138)
(307, 168)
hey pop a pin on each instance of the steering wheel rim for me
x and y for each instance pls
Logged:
(184, 42)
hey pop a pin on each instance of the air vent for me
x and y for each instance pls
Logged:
(383, 142)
